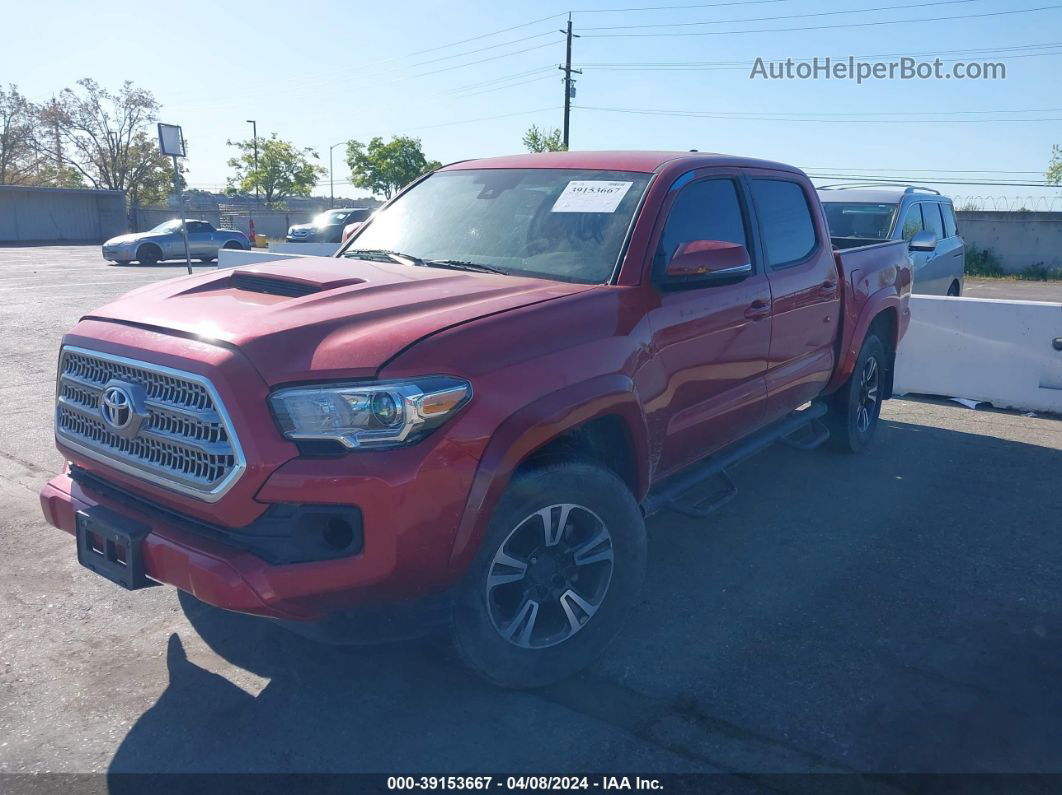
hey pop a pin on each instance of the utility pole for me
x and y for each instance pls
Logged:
(569, 84)
(254, 134)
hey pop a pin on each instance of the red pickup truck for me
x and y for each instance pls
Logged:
(466, 415)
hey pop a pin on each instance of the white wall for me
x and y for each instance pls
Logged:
(983, 349)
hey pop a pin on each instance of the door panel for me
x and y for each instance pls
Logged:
(713, 358)
(938, 263)
(910, 225)
(805, 289)
(710, 341)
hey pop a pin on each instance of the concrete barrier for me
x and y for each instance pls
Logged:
(234, 258)
(305, 249)
(983, 349)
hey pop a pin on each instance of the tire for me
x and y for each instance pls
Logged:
(953, 290)
(855, 407)
(120, 262)
(148, 255)
(206, 259)
(235, 245)
(496, 630)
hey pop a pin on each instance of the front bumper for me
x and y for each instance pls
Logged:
(409, 529)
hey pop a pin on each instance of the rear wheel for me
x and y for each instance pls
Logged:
(954, 290)
(120, 262)
(232, 244)
(148, 255)
(558, 573)
(855, 407)
(206, 259)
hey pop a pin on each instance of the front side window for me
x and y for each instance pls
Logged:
(785, 218)
(932, 220)
(564, 224)
(859, 220)
(330, 218)
(706, 210)
(169, 226)
(912, 222)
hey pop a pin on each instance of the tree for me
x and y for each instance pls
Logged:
(537, 140)
(385, 168)
(108, 140)
(1054, 169)
(19, 161)
(283, 169)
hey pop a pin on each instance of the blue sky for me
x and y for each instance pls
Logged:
(324, 72)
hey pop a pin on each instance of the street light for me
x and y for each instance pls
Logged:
(331, 180)
(254, 128)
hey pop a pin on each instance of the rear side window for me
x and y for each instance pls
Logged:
(912, 221)
(949, 219)
(932, 220)
(706, 210)
(785, 218)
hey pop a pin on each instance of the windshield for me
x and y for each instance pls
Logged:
(330, 218)
(168, 226)
(565, 224)
(861, 220)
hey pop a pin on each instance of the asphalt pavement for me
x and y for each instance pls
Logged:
(899, 611)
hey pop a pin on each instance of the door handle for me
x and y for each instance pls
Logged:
(758, 310)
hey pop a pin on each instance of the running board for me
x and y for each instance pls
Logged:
(801, 429)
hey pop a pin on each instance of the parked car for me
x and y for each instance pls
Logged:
(463, 418)
(165, 242)
(327, 227)
(863, 214)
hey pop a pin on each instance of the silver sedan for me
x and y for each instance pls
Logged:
(165, 242)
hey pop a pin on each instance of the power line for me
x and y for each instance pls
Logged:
(482, 36)
(891, 179)
(932, 170)
(675, 7)
(785, 16)
(667, 65)
(830, 120)
(482, 49)
(827, 27)
(505, 86)
(482, 60)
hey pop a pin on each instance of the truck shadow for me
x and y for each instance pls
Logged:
(900, 616)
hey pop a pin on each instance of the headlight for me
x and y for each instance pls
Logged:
(371, 415)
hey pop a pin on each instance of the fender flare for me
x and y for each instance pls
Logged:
(883, 300)
(532, 427)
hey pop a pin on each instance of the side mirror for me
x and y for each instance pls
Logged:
(708, 260)
(924, 241)
(350, 229)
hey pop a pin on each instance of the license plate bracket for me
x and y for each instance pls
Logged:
(110, 545)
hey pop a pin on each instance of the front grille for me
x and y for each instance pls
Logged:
(185, 440)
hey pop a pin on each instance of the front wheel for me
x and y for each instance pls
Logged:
(855, 407)
(559, 571)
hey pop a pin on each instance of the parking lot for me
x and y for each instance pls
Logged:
(895, 612)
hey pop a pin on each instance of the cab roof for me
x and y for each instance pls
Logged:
(643, 161)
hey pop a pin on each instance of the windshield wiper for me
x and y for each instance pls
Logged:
(394, 256)
(463, 265)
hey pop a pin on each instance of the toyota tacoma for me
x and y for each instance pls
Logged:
(464, 418)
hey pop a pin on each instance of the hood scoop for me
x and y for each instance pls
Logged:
(270, 285)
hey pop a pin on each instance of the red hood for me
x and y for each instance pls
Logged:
(358, 315)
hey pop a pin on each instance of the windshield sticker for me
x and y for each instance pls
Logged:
(591, 196)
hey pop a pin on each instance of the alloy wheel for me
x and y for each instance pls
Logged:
(868, 395)
(549, 576)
